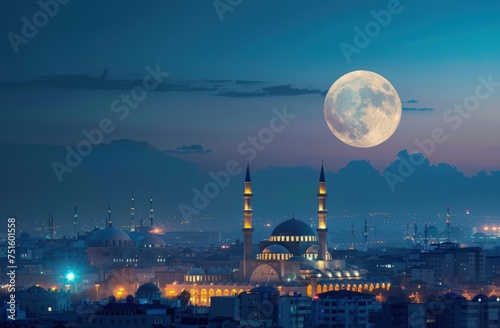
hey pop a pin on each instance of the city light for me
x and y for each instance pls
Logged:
(70, 276)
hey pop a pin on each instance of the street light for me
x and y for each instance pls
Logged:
(97, 292)
(70, 276)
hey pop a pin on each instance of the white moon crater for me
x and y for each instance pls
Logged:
(362, 109)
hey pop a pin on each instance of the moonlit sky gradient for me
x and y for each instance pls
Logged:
(432, 53)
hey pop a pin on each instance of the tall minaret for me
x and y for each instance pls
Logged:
(132, 216)
(247, 224)
(426, 237)
(322, 230)
(52, 231)
(353, 235)
(407, 231)
(448, 219)
(151, 212)
(415, 231)
(75, 222)
(110, 223)
(365, 235)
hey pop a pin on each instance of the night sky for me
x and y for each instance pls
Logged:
(229, 66)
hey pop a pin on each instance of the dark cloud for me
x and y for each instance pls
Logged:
(421, 109)
(218, 81)
(223, 88)
(411, 101)
(288, 90)
(189, 149)
(241, 94)
(248, 82)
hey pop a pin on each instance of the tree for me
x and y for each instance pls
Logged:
(184, 297)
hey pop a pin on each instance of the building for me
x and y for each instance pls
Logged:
(37, 302)
(294, 258)
(343, 309)
(400, 315)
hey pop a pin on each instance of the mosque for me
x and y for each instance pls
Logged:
(293, 259)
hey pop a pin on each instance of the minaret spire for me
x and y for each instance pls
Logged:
(322, 211)
(247, 224)
(52, 231)
(353, 235)
(151, 214)
(448, 223)
(75, 222)
(426, 237)
(365, 235)
(132, 216)
(110, 223)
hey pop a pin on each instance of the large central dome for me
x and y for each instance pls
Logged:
(293, 228)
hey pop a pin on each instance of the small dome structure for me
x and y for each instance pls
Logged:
(152, 241)
(196, 272)
(276, 249)
(149, 291)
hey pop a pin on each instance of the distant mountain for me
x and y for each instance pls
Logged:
(114, 172)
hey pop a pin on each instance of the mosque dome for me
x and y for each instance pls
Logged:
(276, 249)
(110, 237)
(152, 241)
(36, 289)
(480, 298)
(292, 227)
(314, 249)
(148, 288)
(275, 252)
(432, 231)
(196, 272)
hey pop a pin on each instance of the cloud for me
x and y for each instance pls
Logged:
(421, 109)
(223, 88)
(277, 90)
(189, 149)
(240, 94)
(411, 101)
(248, 82)
(288, 90)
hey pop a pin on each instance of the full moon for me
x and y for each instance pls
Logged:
(362, 109)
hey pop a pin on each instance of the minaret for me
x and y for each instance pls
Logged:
(52, 231)
(426, 237)
(415, 231)
(448, 223)
(132, 216)
(353, 235)
(247, 224)
(322, 230)
(110, 223)
(407, 231)
(151, 212)
(365, 235)
(75, 222)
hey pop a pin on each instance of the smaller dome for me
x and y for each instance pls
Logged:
(432, 231)
(152, 241)
(480, 298)
(24, 235)
(36, 289)
(276, 249)
(196, 272)
(129, 299)
(314, 249)
(148, 288)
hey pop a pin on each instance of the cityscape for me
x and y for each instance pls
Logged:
(233, 164)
